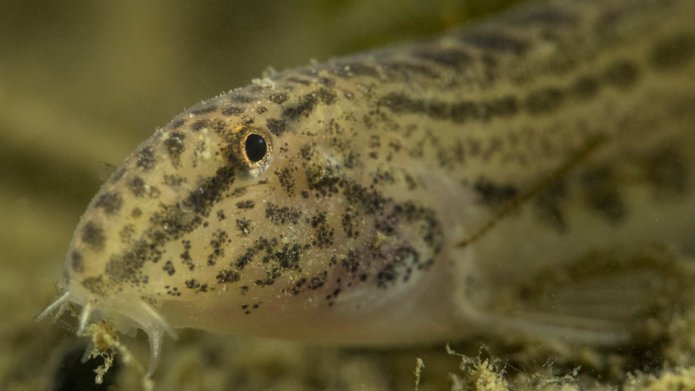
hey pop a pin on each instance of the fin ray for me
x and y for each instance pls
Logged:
(601, 299)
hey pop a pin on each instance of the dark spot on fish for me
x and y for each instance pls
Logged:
(117, 174)
(247, 204)
(352, 159)
(186, 255)
(145, 158)
(246, 257)
(174, 181)
(327, 81)
(282, 215)
(548, 206)
(495, 194)
(232, 110)
(110, 202)
(288, 257)
(308, 102)
(261, 109)
(125, 267)
(95, 285)
(200, 124)
(226, 276)
(503, 106)
(463, 111)
(175, 124)
(437, 109)
(386, 275)
(667, 172)
(622, 74)
(244, 227)
(217, 244)
(211, 189)
(76, 261)
(126, 233)
(171, 221)
(204, 109)
(400, 103)
(543, 100)
(457, 112)
(323, 179)
(332, 296)
(286, 180)
(238, 192)
(326, 96)
(235, 97)
(351, 263)
(350, 223)
(298, 286)
(136, 212)
(673, 52)
(93, 235)
(172, 291)
(196, 285)
(278, 98)
(154, 192)
(323, 234)
(585, 87)
(169, 268)
(175, 146)
(276, 126)
(601, 193)
(371, 201)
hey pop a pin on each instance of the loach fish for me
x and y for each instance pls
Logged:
(414, 194)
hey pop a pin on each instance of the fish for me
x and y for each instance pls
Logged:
(415, 194)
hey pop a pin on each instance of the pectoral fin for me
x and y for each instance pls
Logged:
(543, 184)
(601, 299)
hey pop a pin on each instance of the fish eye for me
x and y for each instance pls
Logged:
(255, 147)
(251, 148)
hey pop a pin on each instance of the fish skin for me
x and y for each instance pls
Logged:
(402, 189)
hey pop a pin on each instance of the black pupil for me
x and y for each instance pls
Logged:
(255, 147)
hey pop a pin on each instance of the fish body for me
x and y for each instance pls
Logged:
(394, 197)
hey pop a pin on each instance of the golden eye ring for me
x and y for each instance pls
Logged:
(253, 148)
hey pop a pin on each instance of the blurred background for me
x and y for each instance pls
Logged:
(83, 82)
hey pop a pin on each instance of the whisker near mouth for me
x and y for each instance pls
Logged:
(158, 320)
(122, 314)
(84, 318)
(55, 309)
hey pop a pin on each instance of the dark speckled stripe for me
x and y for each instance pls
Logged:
(542, 100)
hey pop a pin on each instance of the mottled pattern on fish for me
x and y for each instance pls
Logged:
(375, 211)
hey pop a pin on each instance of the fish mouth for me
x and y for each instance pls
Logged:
(125, 314)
